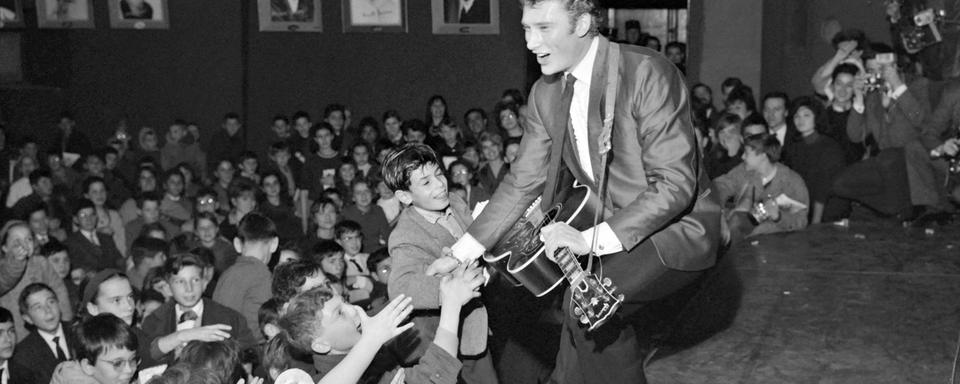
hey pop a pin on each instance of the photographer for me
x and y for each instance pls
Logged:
(892, 109)
(849, 44)
(941, 137)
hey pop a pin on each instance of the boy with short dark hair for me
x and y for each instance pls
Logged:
(345, 341)
(296, 276)
(59, 259)
(106, 353)
(245, 286)
(379, 265)
(373, 221)
(146, 253)
(90, 249)
(50, 342)
(189, 316)
(435, 220)
(148, 207)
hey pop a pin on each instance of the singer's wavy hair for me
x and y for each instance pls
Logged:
(575, 8)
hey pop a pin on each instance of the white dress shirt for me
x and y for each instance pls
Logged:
(5, 377)
(607, 241)
(179, 310)
(62, 341)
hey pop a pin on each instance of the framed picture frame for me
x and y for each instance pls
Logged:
(11, 14)
(139, 14)
(376, 16)
(290, 15)
(451, 17)
(65, 14)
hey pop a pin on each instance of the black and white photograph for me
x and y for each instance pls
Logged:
(290, 15)
(139, 14)
(374, 15)
(465, 17)
(65, 14)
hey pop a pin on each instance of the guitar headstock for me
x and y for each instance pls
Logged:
(594, 300)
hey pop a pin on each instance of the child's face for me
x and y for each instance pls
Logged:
(111, 161)
(87, 219)
(43, 311)
(115, 296)
(61, 263)
(225, 172)
(207, 203)
(271, 186)
(348, 172)
(245, 203)
(150, 211)
(428, 189)
(281, 158)
(187, 285)
(326, 216)
(510, 154)
(351, 242)
(174, 185)
(341, 324)
(448, 133)
(460, 174)
(249, 166)
(362, 195)
(361, 155)
(8, 338)
(97, 193)
(491, 151)
(94, 165)
(177, 132)
(382, 274)
(333, 264)
(147, 181)
(113, 366)
(470, 155)
(207, 230)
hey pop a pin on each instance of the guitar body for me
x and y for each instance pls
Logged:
(520, 255)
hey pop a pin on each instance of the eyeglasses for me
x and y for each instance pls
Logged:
(119, 363)
(206, 201)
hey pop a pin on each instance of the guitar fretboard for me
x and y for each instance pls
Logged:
(570, 266)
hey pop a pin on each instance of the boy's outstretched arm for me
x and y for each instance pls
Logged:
(376, 330)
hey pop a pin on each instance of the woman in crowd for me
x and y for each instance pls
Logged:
(507, 119)
(816, 157)
(109, 221)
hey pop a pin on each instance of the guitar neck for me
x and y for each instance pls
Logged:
(570, 266)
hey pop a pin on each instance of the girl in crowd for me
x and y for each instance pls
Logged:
(816, 157)
(108, 220)
(507, 119)
(494, 168)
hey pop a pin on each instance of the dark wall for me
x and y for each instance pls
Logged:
(793, 48)
(213, 59)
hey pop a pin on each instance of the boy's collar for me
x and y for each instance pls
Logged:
(433, 216)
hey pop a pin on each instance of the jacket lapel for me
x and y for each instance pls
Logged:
(436, 232)
(594, 119)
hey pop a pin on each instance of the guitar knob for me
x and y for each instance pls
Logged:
(607, 282)
(584, 319)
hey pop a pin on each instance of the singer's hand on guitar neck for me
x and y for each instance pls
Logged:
(558, 235)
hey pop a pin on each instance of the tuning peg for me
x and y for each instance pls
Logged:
(620, 297)
(590, 312)
(577, 311)
(607, 282)
(584, 319)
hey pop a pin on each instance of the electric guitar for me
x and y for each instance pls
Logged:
(521, 257)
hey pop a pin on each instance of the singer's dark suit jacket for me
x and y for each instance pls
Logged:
(658, 191)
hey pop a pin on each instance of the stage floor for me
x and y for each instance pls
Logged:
(871, 303)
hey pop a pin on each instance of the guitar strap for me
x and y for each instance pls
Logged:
(604, 140)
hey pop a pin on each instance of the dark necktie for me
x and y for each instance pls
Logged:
(357, 264)
(188, 315)
(556, 148)
(60, 355)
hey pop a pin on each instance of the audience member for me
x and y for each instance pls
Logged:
(109, 291)
(146, 253)
(393, 134)
(245, 286)
(816, 158)
(106, 353)
(56, 254)
(189, 316)
(50, 342)
(148, 205)
(475, 192)
(10, 371)
(371, 218)
(321, 164)
(507, 121)
(109, 221)
(227, 143)
(775, 107)
(727, 150)
(494, 168)
(175, 206)
(182, 147)
(243, 201)
(295, 277)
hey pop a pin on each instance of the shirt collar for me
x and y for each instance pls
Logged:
(198, 309)
(433, 217)
(584, 69)
(49, 336)
(781, 127)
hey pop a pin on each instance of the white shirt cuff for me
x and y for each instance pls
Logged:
(467, 249)
(899, 91)
(607, 241)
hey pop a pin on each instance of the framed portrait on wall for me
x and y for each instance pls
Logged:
(65, 13)
(466, 17)
(290, 15)
(139, 14)
(11, 14)
(374, 15)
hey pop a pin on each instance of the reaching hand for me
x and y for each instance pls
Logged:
(444, 265)
(462, 285)
(207, 333)
(386, 324)
(951, 147)
(558, 235)
(846, 48)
